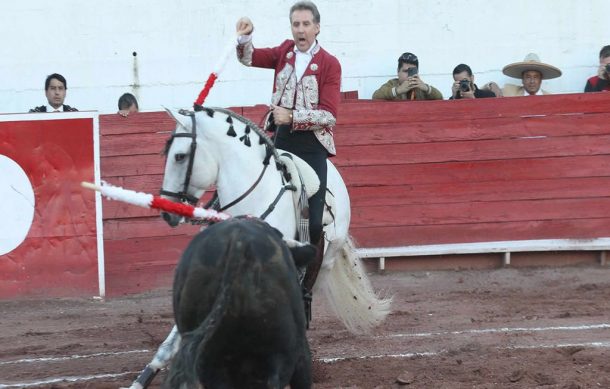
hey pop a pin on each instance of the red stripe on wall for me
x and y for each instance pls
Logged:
(418, 173)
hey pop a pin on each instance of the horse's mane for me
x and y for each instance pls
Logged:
(264, 138)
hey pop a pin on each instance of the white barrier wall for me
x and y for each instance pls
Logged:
(176, 44)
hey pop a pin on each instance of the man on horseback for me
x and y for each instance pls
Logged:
(304, 107)
(306, 95)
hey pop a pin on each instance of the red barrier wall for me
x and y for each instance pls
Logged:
(475, 171)
(59, 254)
(418, 173)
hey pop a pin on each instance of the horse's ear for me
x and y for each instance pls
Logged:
(177, 117)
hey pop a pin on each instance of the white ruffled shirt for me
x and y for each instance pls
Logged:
(302, 60)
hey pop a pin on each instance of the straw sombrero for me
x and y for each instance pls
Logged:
(531, 62)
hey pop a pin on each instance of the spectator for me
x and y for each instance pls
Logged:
(408, 85)
(305, 97)
(55, 87)
(464, 86)
(601, 82)
(495, 88)
(127, 104)
(531, 72)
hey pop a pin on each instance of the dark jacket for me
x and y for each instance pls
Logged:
(43, 108)
(596, 84)
(478, 94)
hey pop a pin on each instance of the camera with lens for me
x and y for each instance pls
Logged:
(608, 68)
(464, 85)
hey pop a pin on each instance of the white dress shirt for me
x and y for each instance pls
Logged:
(302, 60)
(51, 109)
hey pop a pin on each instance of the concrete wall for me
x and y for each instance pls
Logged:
(178, 42)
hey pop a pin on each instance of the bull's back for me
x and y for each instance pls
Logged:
(236, 296)
(261, 283)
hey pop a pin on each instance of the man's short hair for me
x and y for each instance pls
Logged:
(56, 76)
(407, 58)
(604, 52)
(127, 100)
(462, 68)
(306, 6)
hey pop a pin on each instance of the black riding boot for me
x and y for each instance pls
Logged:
(311, 274)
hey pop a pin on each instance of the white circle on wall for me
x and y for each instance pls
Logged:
(16, 205)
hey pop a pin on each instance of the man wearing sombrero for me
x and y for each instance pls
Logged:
(531, 72)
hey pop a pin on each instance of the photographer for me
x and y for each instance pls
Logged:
(408, 85)
(601, 82)
(464, 86)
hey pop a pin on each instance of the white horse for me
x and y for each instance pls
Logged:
(217, 147)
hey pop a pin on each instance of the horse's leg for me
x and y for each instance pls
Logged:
(164, 354)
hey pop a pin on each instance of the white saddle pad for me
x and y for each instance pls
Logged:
(296, 165)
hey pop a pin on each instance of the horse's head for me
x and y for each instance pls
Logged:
(191, 166)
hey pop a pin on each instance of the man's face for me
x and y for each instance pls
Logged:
(304, 29)
(604, 61)
(56, 93)
(403, 72)
(132, 109)
(532, 80)
(463, 76)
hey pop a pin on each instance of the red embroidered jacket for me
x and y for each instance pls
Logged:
(314, 99)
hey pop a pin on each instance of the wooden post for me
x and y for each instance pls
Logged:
(506, 261)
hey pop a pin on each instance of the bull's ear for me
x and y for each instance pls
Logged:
(180, 119)
(303, 255)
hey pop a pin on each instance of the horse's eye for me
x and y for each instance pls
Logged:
(180, 157)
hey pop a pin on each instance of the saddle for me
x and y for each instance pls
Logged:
(300, 170)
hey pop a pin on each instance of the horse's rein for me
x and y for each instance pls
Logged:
(246, 193)
(264, 121)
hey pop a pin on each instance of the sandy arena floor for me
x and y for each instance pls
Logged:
(505, 328)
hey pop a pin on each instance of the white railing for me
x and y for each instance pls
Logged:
(503, 247)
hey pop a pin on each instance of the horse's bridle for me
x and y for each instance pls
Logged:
(184, 195)
(270, 151)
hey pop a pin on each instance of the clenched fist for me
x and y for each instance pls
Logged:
(244, 26)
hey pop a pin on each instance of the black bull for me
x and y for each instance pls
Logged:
(238, 306)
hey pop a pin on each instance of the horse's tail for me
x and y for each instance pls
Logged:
(185, 368)
(350, 293)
